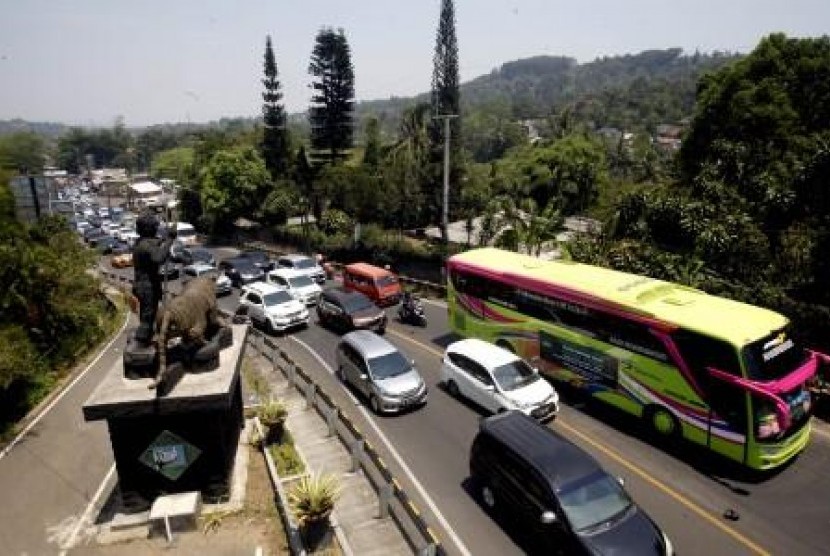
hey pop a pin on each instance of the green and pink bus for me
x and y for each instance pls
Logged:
(715, 371)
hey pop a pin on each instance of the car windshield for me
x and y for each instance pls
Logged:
(357, 303)
(774, 356)
(387, 281)
(246, 268)
(300, 282)
(514, 375)
(276, 298)
(595, 499)
(201, 255)
(389, 365)
(304, 263)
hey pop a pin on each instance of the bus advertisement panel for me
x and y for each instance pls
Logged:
(717, 372)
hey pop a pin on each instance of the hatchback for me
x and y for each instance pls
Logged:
(497, 379)
(380, 372)
(556, 495)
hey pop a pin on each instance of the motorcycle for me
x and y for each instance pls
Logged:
(412, 312)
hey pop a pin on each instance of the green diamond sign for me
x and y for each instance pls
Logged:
(169, 455)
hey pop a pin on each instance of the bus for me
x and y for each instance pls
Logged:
(717, 372)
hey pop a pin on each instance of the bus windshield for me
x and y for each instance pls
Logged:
(773, 357)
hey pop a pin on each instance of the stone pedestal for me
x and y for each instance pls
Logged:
(184, 440)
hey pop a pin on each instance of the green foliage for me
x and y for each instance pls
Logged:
(335, 221)
(312, 499)
(107, 147)
(275, 140)
(23, 151)
(177, 164)
(332, 104)
(272, 413)
(19, 359)
(371, 154)
(286, 458)
(233, 184)
(280, 203)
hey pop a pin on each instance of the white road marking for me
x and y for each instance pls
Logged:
(85, 517)
(60, 396)
(325, 366)
(421, 490)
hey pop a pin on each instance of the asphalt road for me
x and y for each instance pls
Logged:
(49, 477)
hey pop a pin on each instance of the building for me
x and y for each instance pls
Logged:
(144, 194)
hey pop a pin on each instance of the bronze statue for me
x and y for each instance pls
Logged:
(189, 316)
(149, 254)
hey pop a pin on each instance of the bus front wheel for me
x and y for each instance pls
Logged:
(662, 422)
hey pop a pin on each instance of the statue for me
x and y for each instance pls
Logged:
(192, 317)
(149, 254)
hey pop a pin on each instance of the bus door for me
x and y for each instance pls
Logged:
(725, 405)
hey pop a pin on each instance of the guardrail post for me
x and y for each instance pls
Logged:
(275, 359)
(292, 374)
(261, 347)
(357, 455)
(331, 419)
(384, 498)
(310, 393)
(428, 550)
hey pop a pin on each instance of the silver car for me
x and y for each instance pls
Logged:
(380, 372)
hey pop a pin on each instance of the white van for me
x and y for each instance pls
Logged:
(298, 284)
(186, 233)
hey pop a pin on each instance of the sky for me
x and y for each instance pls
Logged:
(87, 62)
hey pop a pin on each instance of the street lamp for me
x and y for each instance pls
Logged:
(445, 220)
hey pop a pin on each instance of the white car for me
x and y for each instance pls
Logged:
(497, 379)
(303, 264)
(272, 307)
(223, 283)
(299, 284)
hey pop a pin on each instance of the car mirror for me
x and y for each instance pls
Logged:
(621, 481)
(364, 376)
(548, 517)
(489, 387)
(535, 370)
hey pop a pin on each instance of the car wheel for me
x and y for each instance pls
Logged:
(452, 389)
(661, 422)
(488, 497)
(374, 403)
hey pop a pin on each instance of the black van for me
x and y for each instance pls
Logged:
(555, 494)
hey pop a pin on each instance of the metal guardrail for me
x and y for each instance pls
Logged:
(392, 499)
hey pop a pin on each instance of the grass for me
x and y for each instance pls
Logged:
(286, 458)
(254, 380)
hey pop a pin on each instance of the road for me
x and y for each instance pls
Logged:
(51, 475)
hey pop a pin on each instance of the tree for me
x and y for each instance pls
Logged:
(371, 155)
(233, 184)
(446, 100)
(275, 146)
(331, 112)
(23, 151)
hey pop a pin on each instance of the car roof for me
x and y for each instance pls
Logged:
(262, 288)
(367, 269)
(201, 267)
(294, 257)
(487, 354)
(340, 294)
(558, 460)
(368, 343)
(287, 272)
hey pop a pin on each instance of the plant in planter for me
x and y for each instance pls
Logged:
(272, 415)
(312, 500)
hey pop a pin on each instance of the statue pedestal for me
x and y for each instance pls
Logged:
(182, 441)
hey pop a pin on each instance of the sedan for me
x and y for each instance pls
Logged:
(497, 379)
(241, 271)
(223, 283)
(260, 259)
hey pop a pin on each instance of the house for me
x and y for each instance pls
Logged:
(144, 194)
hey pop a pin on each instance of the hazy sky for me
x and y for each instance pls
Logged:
(153, 61)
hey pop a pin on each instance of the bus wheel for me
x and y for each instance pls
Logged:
(662, 423)
(506, 345)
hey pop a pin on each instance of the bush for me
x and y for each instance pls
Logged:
(286, 458)
(312, 498)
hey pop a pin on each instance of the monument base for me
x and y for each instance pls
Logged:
(176, 441)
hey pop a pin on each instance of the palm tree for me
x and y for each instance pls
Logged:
(407, 159)
(532, 228)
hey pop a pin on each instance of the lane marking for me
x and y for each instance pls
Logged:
(634, 469)
(60, 396)
(88, 511)
(421, 490)
(666, 490)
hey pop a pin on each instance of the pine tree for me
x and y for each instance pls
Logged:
(275, 149)
(331, 112)
(446, 100)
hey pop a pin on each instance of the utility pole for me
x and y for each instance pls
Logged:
(445, 219)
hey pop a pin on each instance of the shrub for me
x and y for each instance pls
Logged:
(272, 414)
(312, 498)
